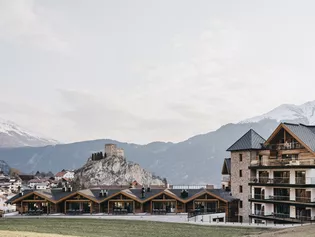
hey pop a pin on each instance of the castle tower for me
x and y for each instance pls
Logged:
(110, 149)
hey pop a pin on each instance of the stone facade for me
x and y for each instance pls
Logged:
(241, 165)
(120, 152)
(110, 149)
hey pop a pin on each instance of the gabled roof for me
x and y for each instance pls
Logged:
(226, 169)
(305, 133)
(249, 141)
(57, 196)
(60, 174)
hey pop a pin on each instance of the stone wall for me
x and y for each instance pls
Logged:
(237, 181)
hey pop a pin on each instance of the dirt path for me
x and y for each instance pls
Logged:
(4, 233)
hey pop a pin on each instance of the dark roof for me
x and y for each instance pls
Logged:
(305, 133)
(226, 169)
(249, 141)
(52, 194)
(56, 195)
(191, 192)
(18, 196)
(223, 194)
(96, 193)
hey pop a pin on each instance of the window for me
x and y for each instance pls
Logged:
(241, 219)
(241, 188)
(241, 204)
(241, 173)
(241, 157)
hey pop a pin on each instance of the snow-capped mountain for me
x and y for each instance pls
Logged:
(12, 135)
(304, 113)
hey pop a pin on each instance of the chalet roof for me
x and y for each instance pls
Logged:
(60, 174)
(249, 141)
(26, 177)
(226, 169)
(58, 194)
(306, 133)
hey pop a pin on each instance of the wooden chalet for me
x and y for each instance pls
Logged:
(124, 201)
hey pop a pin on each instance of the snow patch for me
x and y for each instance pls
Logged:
(304, 113)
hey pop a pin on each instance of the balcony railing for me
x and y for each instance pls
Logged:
(284, 146)
(269, 197)
(271, 214)
(283, 216)
(276, 180)
(282, 180)
(283, 162)
(281, 198)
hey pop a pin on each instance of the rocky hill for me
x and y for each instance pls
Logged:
(113, 170)
(4, 167)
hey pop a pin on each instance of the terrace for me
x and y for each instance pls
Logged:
(279, 198)
(282, 162)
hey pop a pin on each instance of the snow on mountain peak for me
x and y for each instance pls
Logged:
(12, 135)
(304, 113)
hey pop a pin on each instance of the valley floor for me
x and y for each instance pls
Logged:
(56, 227)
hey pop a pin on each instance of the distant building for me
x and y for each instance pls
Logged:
(110, 149)
(120, 152)
(113, 150)
(42, 186)
(226, 175)
(64, 174)
(34, 182)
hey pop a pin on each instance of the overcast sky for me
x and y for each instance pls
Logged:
(140, 71)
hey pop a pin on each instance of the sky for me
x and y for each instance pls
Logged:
(142, 70)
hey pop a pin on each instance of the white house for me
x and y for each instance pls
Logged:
(66, 174)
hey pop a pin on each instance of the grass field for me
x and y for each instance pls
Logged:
(121, 228)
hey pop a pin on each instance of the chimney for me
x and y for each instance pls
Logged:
(184, 193)
(143, 192)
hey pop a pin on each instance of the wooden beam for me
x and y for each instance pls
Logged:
(82, 200)
(206, 200)
(134, 207)
(164, 200)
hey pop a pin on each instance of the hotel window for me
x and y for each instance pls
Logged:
(241, 204)
(241, 188)
(241, 157)
(241, 173)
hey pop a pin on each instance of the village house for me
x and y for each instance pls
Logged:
(127, 200)
(37, 182)
(274, 179)
(64, 174)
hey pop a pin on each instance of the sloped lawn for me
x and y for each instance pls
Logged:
(121, 228)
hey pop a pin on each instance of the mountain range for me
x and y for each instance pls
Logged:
(197, 160)
(12, 135)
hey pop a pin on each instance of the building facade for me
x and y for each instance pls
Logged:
(280, 175)
(242, 152)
